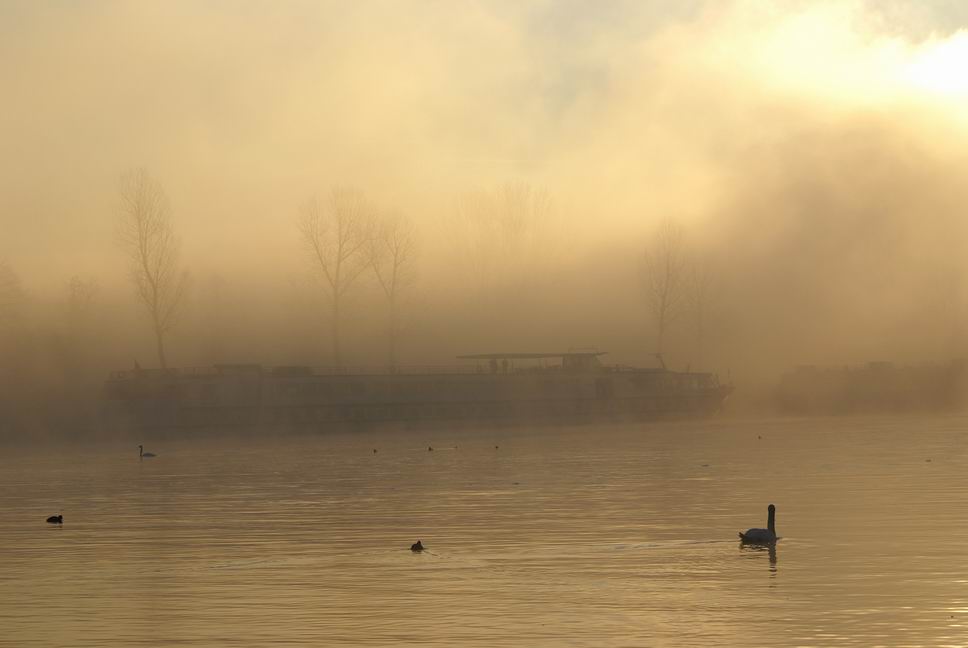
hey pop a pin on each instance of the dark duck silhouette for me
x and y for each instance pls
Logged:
(143, 454)
(416, 547)
(55, 519)
(762, 536)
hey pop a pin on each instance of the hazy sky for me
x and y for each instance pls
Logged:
(244, 109)
(743, 119)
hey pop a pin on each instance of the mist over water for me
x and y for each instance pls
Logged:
(586, 536)
(807, 152)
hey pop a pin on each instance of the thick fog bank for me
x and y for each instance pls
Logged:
(505, 177)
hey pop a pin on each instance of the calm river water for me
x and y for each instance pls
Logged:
(589, 536)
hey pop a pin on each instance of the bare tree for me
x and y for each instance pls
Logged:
(664, 263)
(147, 235)
(393, 251)
(497, 232)
(336, 236)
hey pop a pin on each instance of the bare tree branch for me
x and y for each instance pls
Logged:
(336, 236)
(147, 235)
(392, 254)
(664, 264)
(497, 233)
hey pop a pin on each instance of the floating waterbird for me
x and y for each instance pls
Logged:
(55, 519)
(416, 547)
(762, 536)
(143, 454)
(430, 448)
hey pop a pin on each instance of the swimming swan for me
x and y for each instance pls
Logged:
(762, 536)
(55, 519)
(417, 547)
(143, 454)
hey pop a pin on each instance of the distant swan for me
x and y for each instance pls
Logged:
(762, 536)
(143, 454)
(55, 519)
(416, 547)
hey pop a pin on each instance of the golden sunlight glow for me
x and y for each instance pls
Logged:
(827, 53)
(941, 67)
(825, 56)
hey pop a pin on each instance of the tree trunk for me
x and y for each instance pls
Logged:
(393, 337)
(160, 339)
(700, 339)
(337, 361)
(661, 333)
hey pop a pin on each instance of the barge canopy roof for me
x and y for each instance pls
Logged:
(531, 356)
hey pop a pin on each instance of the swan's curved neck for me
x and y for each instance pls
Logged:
(771, 521)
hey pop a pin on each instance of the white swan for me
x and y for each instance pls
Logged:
(762, 536)
(143, 454)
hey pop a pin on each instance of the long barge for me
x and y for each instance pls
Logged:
(571, 387)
